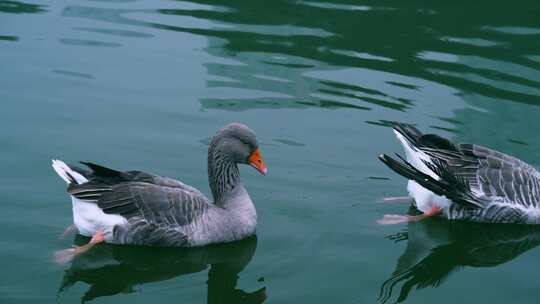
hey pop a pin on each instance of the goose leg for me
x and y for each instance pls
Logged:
(66, 255)
(390, 219)
(72, 229)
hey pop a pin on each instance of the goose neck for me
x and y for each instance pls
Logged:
(223, 175)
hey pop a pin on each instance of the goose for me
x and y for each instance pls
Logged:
(463, 181)
(139, 208)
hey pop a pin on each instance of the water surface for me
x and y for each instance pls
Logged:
(144, 84)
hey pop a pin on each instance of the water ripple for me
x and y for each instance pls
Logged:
(84, 42)
(346, 7)
(8, 38)
(74, 74)
(513, 30)
(18, 7)
(473, 41)
(115, 32)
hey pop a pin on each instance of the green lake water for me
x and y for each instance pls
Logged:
(144, 84)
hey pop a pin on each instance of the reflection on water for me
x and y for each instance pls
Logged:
(74, 74)
(265, 52)
(437, 248)
(82, 42)
(111, 270)
(17, 7)
(8, 38)
(355, 44)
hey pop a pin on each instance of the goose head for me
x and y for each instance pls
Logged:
(238, 144)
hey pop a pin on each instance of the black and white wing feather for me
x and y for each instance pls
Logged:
(498, 176)
(491, 175)
(157, 208)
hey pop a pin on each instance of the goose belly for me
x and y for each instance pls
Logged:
(89, 218)
(424, 198)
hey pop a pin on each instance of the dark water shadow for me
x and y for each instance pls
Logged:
(111, 269)
(438, 248)
(9, 38)
(413, 39)
(18, 7)
(472, 57)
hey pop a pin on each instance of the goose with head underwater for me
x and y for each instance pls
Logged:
(139, 208)
(464, 181)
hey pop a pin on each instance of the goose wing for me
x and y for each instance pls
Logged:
(156, 207)
(492, 175)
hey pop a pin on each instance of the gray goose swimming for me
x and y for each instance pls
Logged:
(139, 208)
(464, 181)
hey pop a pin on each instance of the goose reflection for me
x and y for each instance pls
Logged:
(111, 270)
(436, 248)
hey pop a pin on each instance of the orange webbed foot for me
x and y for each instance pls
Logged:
(67, 255)
(391, 219)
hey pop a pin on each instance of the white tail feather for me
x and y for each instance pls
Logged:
(423, 197)
(66, 173)
(88, 217)
(415, 157)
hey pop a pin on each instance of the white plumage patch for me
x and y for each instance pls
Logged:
(423, 197)
(65, 172)
(87, 216)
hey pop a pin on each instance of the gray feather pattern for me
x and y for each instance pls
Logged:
(508, 188)
(157, 208)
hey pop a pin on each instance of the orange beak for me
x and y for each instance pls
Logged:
(255, 160)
